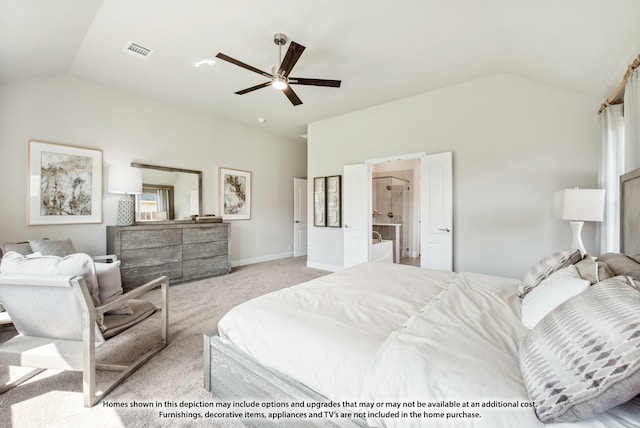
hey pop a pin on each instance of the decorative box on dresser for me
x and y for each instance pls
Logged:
(183, 251)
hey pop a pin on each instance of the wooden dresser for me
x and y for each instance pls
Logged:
(182, 251)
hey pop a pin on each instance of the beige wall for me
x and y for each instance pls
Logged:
(67, 110)
(514, 143)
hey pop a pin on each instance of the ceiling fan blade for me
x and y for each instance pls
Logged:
(253, 88)
(315, 82)
(292, 96)
(290, 59)
(242, 64)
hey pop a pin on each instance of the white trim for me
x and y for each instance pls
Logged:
(411, 156)
(323, 266)
(267, 258)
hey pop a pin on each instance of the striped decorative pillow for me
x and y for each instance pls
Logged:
(583, 358)
(546, 267)
(53, 247)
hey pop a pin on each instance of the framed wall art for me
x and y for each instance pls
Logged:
(65, 184)
(235, 194)
(319, 201)
(334, 206)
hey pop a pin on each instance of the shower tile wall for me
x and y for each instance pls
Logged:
(393, 203)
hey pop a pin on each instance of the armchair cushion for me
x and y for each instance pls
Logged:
(52, 247)
(78, 264)
(113, 324)
(110, 286)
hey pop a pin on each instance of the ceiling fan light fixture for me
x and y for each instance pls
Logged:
(279, 82)
(279, 76)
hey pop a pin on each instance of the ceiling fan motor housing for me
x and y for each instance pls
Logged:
(280, 39)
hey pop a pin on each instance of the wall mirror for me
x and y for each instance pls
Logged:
(168, 193)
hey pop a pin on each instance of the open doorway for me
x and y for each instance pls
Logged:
(395, 197)
(435, 207)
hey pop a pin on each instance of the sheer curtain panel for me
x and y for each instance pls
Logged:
(632, 121)
(612, 165)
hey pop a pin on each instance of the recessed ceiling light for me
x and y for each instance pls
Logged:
(204, 62)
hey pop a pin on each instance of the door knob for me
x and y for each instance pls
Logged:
(297, 221)
(446, 229)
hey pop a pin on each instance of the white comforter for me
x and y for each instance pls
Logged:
(380, 332)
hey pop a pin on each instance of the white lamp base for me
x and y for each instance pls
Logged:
(576, 228)
(126, 211)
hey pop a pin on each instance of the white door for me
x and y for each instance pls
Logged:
(436, 211)
(299, 217)
(356, 212)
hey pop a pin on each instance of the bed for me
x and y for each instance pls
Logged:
(560, 347)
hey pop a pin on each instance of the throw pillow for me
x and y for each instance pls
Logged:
(557, 288)
(78, 264)
(594, 271)
(52, 247)
(583, 358)
(23, 248)
(546, 267)
(621, 264)
(110, 286)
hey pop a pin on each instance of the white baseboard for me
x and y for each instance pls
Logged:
(323, 266)
(252, 260)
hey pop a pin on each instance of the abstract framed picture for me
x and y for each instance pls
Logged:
(334, 209)
(65, 184)
(319, 201)
(235, 194)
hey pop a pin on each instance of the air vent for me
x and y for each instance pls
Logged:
(137, 50)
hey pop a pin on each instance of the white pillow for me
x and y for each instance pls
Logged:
(110, 286)
(78, 264)
(558, 287)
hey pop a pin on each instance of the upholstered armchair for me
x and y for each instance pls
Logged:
(64, 307)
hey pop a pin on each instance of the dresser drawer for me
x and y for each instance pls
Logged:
(149, 238)
(202, 268)
(202, 251)
(193, 235)
(135, 276)
(138, 257)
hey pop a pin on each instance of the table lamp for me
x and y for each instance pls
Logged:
(127, 181)
(577, 206)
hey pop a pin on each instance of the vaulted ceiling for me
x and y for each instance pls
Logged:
(381, 50)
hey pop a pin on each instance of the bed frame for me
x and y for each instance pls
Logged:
(630, 212)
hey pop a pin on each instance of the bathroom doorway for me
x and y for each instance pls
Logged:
(432, 200)
(395, 197)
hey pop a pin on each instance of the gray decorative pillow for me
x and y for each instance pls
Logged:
(621, 264)
(583, 358)
(53, 247)
(546, 267)
(593, 270)
(23, 248)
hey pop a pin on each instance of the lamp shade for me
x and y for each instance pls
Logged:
(125, 179)
(579, 204)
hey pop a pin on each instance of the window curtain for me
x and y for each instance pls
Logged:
(163, 200)
(632, 121)
(620, 125)
(612, 165)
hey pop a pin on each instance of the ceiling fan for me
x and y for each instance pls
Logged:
(279, 77)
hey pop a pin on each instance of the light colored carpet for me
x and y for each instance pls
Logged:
(54, 398)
